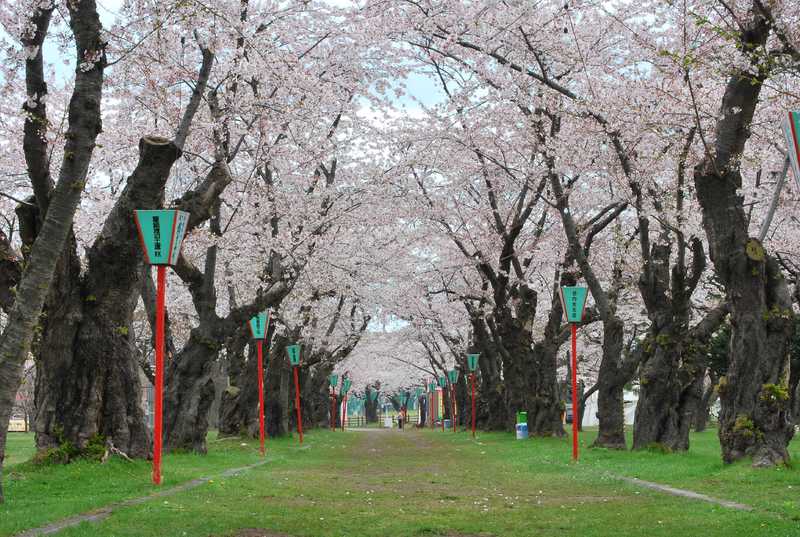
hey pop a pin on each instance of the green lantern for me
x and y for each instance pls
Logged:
(333, 380)
(419, 391)
(442, 382)
(472, 361)
(161, 232)
(294, 354)
(373, 395)
(453, 376)
(573, 301)
(432, 387)
(259, 325)
(346, 385)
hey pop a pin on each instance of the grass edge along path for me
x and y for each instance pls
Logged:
(97, 515)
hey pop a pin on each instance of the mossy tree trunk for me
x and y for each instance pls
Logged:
(755, 418)
(58, 205)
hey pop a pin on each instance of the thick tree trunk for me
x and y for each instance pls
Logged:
(611, 381)
(84, 125)
(755, 418)
(371, 406)
(707, 398)
(277, 382)
(87, 383)
(238, 414)
(490, 391)
(315, 396)
(189, 392)
(667, 397)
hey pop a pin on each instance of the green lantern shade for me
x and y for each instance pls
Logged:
(373, 395)
(442, 382)
(294, 354)
(453, 376)
(432, 387)
(259, 325)
(333, 380)
(573, 300)
(346, 385)
(161, 233)
(419, 391)
(472, 361)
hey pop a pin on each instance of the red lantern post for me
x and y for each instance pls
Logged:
(573, 302)
(157, 229)
(472, 363)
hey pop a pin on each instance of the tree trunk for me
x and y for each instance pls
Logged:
(316, 398)
(371, 406)
(87, 382)
(84, 125)
(189, 392)
(611, 381)
(488, 386)
(277, 382)
(707, 398)
(238, 415)
(755, 418)
(666, 397)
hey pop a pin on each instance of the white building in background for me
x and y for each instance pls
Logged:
(590, 414)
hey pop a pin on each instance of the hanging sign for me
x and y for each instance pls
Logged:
(791, 130)
(573, 301)
(453, 376)
(294, 354)
(161, 232)
(259, 326)
(472, 361)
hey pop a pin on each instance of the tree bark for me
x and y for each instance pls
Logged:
(755, 418)
(673, 366)
(84, 124)
(10, 273)
(87, 383)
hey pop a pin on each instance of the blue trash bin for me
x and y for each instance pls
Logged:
(522, 431)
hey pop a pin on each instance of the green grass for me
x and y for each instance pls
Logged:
(410, 483)
(19, 448)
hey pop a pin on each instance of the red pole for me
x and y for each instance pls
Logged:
(453, 405)
(574, 393)
(472, 377)
(333, 408)
(437, 406)
(260, 346)
(344, 410)
(159, 384)
(297, 405)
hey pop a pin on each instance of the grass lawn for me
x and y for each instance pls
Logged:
(409, 483)
(19, 448)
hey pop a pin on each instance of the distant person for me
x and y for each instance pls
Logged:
(400, 421)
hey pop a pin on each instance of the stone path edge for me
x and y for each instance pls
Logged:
(102, 513)
(683, 493)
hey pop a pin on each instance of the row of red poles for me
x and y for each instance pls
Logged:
(161, 232)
